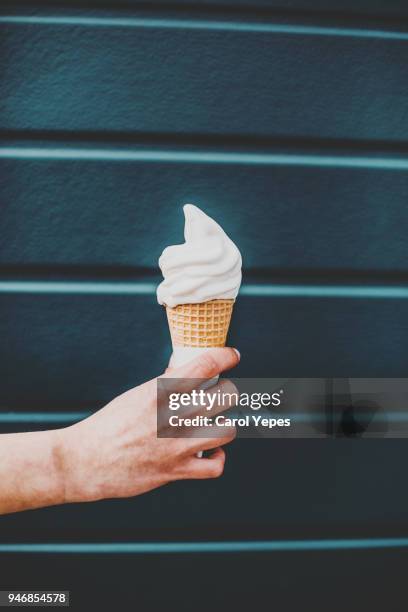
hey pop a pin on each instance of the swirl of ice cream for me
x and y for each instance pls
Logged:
(206, 267)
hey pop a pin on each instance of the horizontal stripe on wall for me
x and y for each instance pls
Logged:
(205, 157)
(203, 24)
(136, 548)
(383, 420)
(99, 213)
(376, 292)
(41, 417)
(131, 88)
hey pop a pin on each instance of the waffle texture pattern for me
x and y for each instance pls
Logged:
(204, 324)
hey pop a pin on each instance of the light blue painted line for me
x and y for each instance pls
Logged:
(72, 417)
(382, 416)
(42, 417)
(206, 547)
(250, 290)
(323, 291)
(204, 24)
(77, 288)
(204, 157)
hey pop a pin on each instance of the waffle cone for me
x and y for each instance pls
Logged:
(202, 325)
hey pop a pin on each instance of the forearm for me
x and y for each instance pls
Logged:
(30, 471)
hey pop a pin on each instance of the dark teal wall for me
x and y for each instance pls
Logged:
(244, 80)
(288, 122)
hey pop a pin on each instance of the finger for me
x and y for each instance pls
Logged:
(213, 401)
(205, 467)
(199, 441)
(226, 397)
(206, 366)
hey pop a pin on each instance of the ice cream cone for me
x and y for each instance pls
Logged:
(201, 325)
(201, 279)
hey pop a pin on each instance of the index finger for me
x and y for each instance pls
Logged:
(206, 366)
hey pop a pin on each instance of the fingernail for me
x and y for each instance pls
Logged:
(238, 353)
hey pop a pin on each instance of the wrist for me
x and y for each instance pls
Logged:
(66, 466)
(76, 471)
(59, 461)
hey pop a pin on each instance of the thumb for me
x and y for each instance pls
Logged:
(207, 365)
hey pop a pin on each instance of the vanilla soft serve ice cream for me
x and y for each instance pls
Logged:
(206, 267)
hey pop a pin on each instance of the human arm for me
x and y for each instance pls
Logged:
(113, 453)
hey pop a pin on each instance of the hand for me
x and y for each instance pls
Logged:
(116, 451)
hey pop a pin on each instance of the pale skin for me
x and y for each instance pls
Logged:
(113, 453)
